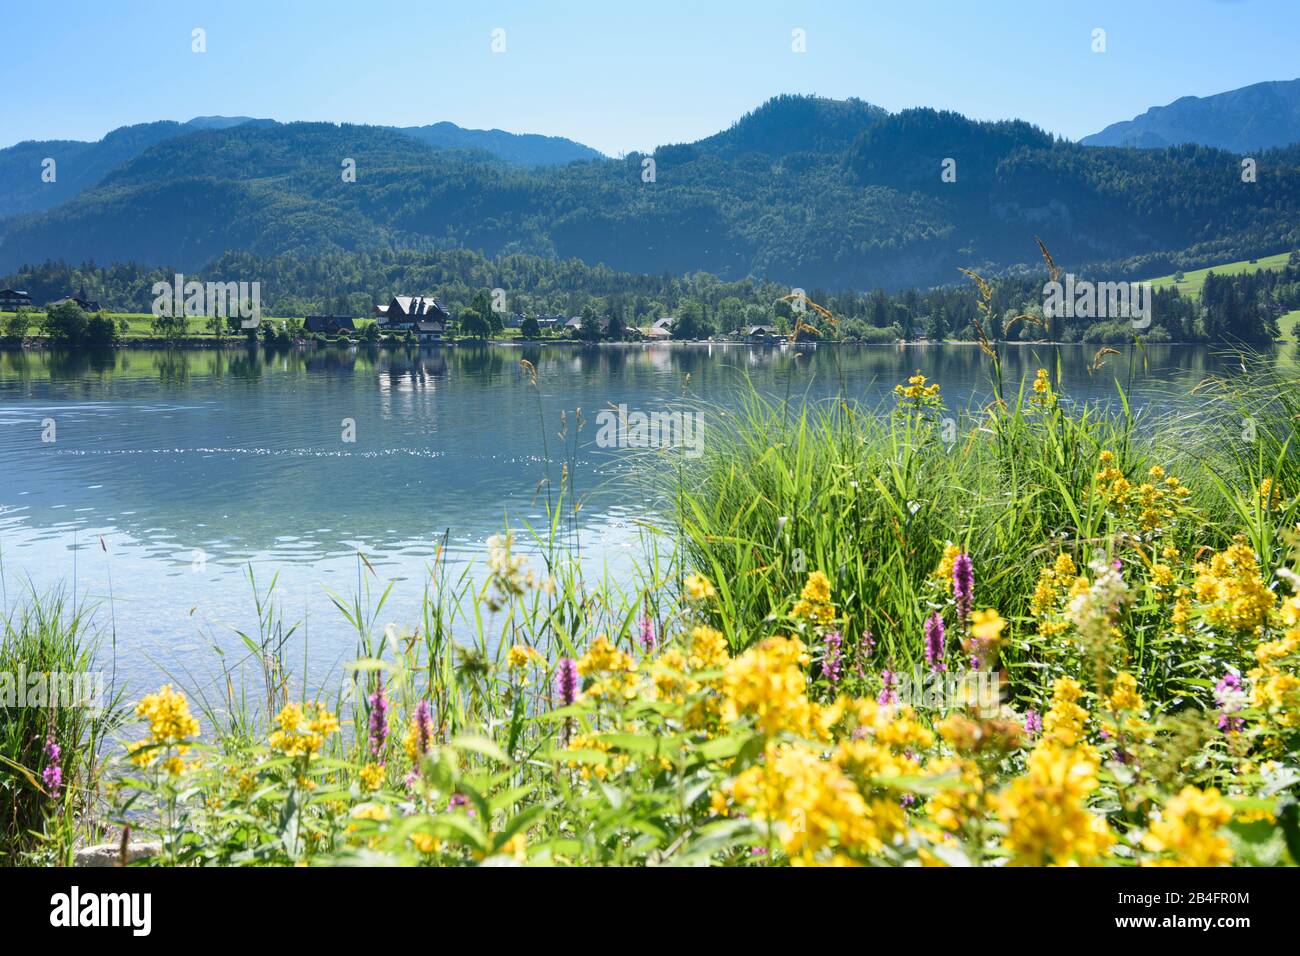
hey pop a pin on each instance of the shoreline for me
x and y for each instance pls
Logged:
(206, 344)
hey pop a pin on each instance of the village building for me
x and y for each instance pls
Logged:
(429, 331)
(327, 324)
(86, 305)
(11, 300)
(407, 311)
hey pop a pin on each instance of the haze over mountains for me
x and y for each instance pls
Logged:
(805, 190)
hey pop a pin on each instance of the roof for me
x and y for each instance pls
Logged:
(14, 293)
(413, 305)
(764, 329)
(658, 332)
(87, 305)
(666, 322)
(327, 323)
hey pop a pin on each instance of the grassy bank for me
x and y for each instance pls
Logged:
(1029, 633)
(56, 715)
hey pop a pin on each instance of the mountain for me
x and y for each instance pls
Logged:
(80, 165)
(522, 149)
(1254, 117)
(804, 191)
(789, 124)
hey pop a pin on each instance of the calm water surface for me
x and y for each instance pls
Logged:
(190, 467)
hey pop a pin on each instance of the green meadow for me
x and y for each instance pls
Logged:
(1191, 282)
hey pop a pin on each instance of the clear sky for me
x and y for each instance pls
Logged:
(620, 75)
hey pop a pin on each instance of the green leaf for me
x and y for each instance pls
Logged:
(480, 745)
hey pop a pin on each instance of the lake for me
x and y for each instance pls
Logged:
(171, 473)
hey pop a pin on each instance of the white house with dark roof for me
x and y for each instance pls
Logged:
(408, 311)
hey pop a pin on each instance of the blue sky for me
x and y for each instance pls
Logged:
(621, 74)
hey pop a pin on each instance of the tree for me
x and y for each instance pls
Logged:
(731, 314)
(936, 327)
(474, 325)
(589, 331)
(170, 328)
(615, 332)
(17, 325)
(529, 328)
(65, 324)
(101, 331)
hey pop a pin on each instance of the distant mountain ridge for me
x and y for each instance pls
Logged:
(522, 149)
(80, 165)
(1259, 116)
(814, 192)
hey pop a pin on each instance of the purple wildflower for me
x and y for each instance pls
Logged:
(888, 685)
(459, 800)
(831, 665)
(1033, 722)
(866, 647)
(566, 680)
(378, 720)
(647, 633)
(53, 773)
(1230, 695)
(423, 726)
(963, 585)
(934, 642)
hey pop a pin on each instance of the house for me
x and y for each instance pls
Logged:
(657, 333)
(86, 305)
(327, 324)
(575, 323)
(666, 323)
(762, 333)
(429, 331)
(405, 311)
(11, 300)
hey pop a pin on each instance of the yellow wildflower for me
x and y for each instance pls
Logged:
(520, 656)
(699, 588)
(1231, 591)
(1046, 814)
(1188, 830)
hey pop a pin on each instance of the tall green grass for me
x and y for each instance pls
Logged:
(871, 496)
(51, 634)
